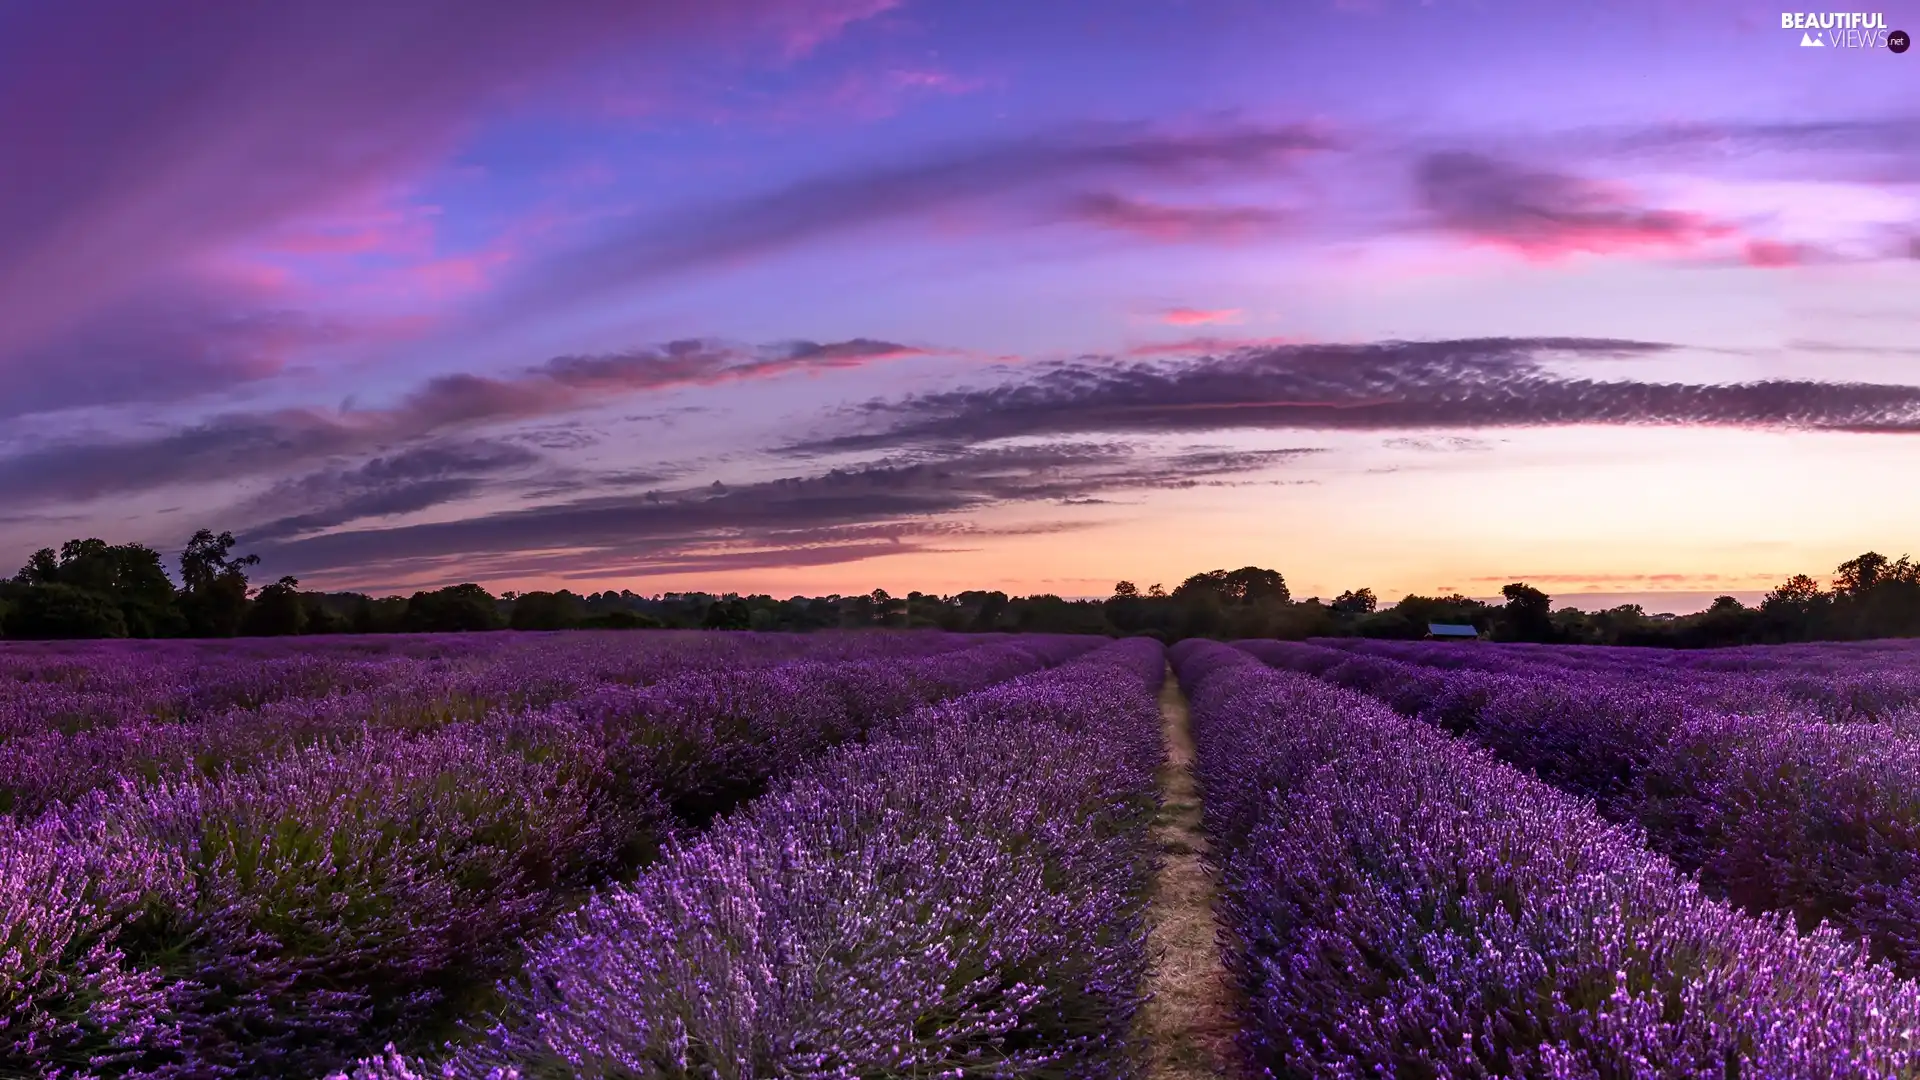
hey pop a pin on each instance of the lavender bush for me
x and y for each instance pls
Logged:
(1778, 807)
(961, 897)
(70, 1001)
(218, 898)
(1398, 903)
(1815, 819)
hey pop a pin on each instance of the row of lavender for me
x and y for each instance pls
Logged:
(89, 715)
(72, 686)
(960, 897)
(1852, 682)
(1775, 808)
(267, 908)
(1396, 902)
(1821, 656)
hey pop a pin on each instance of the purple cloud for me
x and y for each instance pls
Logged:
(840, 515)
(1166, 222)
(845, 202)
(149, 135)
(1546, 214)
(1874, 149)
(264, 443)
(189, 339)
(1399, 385)
(392, 484)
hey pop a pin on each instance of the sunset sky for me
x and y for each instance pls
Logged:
(823, 295)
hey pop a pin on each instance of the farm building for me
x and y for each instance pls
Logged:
(1439, 631)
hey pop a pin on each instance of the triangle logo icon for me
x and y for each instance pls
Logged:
(1809, 41)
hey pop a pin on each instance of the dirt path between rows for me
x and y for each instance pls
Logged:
(1188, 1023)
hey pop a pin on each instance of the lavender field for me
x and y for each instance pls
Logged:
(744, 856)
(1479, 860)
(607, 855)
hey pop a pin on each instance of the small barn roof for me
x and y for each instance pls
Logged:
(1440, 629)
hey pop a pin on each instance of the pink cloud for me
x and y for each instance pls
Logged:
(160, 132)
(804, 28)
(1184, 316)
(1167, 223)
(1775, 253)
(208, 338)
(1660, 230)
(435, 278)
(1545, 216)
(387, 230)
(457, 274)
(249, 279)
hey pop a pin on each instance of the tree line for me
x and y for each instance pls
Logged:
(92, 589)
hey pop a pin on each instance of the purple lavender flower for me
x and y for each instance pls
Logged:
(1782, 797)
(1397, 902)
(271, 861)
(960, 897)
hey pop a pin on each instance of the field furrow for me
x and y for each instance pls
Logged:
(1187, 1022)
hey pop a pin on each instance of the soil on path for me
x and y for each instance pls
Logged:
(1188, 1023)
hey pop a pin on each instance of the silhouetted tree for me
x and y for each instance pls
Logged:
(56, 610)
(889, 610)
(322, 617)
(856, 611)
(207, 557)
(1528, 614)
(1355, 602)
(546, 611)
(1858, 575)
(1408, 619)
(1874, 596)
(86, 588)
(730, 614)
(1126, 608)
(128, 576)
(1798, 592)
(1247, 585)
(213, 584)
(1211, 583)
(454, 609)
(992, 606)
(1255, 585)
(277, 611)
(1297, 622)
(1796, 610)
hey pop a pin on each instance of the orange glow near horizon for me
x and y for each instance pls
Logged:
(1632, 513)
